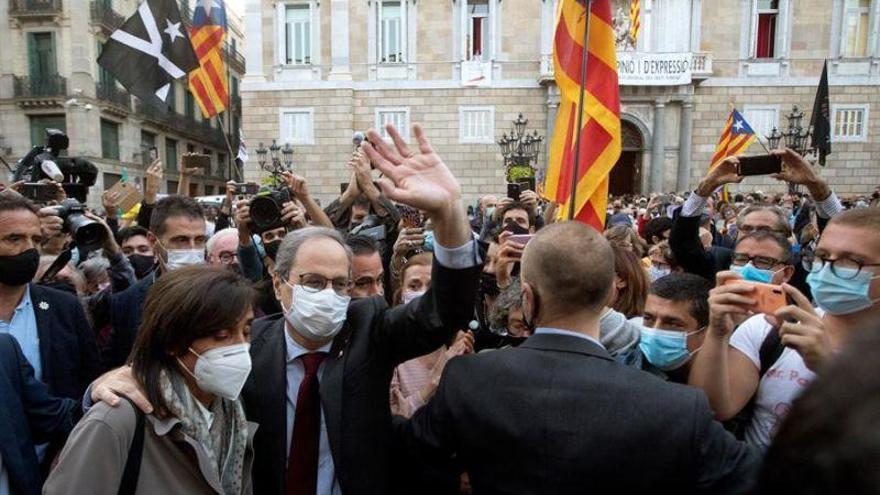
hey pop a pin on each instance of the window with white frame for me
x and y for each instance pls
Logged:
(856, 28)
(849, 123)
(298, 34)
(762, 119)
(766, 22)
(477, 125)
(391, 32)
(478, 30)
(399, 117)
(297, 126)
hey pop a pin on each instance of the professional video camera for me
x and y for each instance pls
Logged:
(76, 175)
(87, 234)
(265, 209)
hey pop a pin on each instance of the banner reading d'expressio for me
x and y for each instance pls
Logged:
(654, 69)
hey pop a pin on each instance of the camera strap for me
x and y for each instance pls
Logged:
(57, 265)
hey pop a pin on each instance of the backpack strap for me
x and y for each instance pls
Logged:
(132, 470)
(771, 351)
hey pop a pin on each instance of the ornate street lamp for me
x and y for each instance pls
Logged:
(795, 137)
(275, 164)
(520, 150)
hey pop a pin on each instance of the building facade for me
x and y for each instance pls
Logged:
(317, 71)
(50, 78)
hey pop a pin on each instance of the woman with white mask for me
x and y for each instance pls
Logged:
(192, 359)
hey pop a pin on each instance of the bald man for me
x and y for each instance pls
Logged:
(558, 414)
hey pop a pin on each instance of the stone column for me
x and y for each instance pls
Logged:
(339, 41)
(657, 147)
(253, 50)
(552, 111)
(685, 145)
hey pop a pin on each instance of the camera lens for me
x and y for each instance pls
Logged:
(86, 232)
(264, 211)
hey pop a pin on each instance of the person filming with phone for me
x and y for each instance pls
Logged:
(776, 352)
(793, 168)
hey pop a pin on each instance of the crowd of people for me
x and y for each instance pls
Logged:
(399, 341)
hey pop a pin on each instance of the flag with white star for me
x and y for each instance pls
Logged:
(150, 51)
(735, 138)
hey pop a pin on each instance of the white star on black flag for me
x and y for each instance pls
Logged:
(149, 51)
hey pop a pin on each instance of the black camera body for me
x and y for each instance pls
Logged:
(76, 175)
(265, 209)
(87, 234)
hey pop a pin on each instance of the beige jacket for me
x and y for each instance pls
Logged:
(94, 457)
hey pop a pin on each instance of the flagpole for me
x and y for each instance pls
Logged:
(225, 138)
(580, 118)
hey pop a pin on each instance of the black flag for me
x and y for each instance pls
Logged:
(149, 51)
(820, 121)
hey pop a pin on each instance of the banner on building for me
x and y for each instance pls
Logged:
(654, 69)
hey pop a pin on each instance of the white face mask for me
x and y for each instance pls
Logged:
(410, 296)
(657, 273)
(317, 315)
(179, 258)
(222, 371)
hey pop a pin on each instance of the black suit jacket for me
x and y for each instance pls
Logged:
(28, 414)
(68, 351)
(126, 312)
(355, 383)
(558, 415)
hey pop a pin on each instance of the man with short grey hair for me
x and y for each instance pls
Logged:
(322, 369)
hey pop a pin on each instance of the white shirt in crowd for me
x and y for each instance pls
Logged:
(784, 382)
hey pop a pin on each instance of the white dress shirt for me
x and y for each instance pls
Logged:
(462, 257)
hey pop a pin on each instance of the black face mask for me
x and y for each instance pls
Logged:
(272, 249)
(142, 264)
(19, 269)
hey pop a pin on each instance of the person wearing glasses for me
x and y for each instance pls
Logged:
(769, 359)
(684, 239)
(322, 368)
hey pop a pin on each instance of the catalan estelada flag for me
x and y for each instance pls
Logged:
(635, 20)
(599, 134)
(736, 137)
(208, 83)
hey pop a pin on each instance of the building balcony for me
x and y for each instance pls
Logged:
(105, 17)
(110, 93)
(234, 59)
(648, 68)
(49, 89)
(35, 9)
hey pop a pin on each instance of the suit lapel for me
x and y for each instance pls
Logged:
(270, 378)
(45, 328)
(332, 392)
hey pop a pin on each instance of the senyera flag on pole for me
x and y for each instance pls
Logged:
(209, 83)
(736, 137)
(599, 133)
(635, 20)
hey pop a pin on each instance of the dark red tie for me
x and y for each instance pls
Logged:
(302, 463)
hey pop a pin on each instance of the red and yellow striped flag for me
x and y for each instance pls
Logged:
(600, 132)
(208, 83)
(735, 139)
(635, 20)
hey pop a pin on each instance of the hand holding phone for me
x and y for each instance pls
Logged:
(513, 191)
(769, 297)
(246, 188)
(759, 165)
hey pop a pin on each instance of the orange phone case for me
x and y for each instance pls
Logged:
(769, 297)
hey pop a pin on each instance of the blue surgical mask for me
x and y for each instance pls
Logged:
(658, 273)
(489, 212)
(838, 296)
(666, 349)
(750, 273)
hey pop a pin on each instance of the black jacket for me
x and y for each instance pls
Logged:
(126, 312)
(355, 383)
(28, 415)
(68, 351)
(558, 415)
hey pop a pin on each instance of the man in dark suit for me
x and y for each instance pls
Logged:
(28, 414)
(177, 236)
(50, 325)
(321, 374)
(558, 414)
